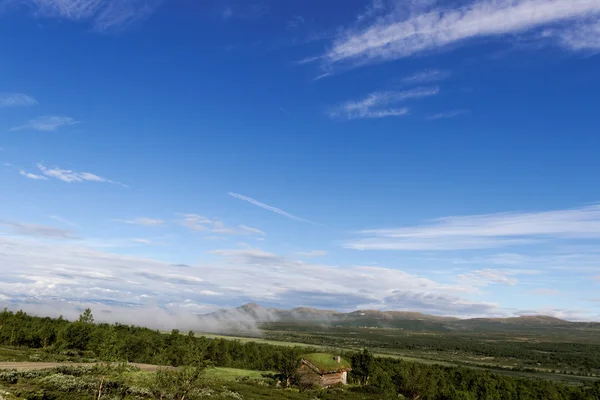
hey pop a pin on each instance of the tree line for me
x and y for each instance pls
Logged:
(581, 356)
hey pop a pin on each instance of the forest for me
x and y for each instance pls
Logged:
(575, 352)
(371, 377)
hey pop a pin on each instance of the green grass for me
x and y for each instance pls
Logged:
(325, 362)
(23, 354)
(230, 374)
(260, 340)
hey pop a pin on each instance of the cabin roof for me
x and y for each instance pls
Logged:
(326, 363)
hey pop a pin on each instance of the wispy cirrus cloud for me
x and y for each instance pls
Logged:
(103, 14)
(295, 22)
(63, 220)
(584, 36)
(145, 221)
(270, 208)
(399, 35)
(16, 100)
(33, 176)
(199, 223)
(448, 114)
(380, 104)
(485, 231)
(488, 276)
(46, 123)
(313, 253)
(244, 11)
(40, 231)
(70, 176)
(425, 76)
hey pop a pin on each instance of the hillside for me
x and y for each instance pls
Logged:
(253, 313)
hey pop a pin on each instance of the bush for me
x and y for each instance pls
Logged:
(139, 391)
(9, 376)
(75, 370)
(69, 383)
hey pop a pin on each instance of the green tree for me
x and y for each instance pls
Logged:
(86, 317)
(177, 384)
(382, 381)
(76, 336)
(362, 364)
(288, 364)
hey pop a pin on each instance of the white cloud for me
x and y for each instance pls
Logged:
(16, 100)
(313, 253)
(399, 35)
(559, 257)
(485, 231)
(448, 114)
(585, 36)
(200, 223)
(46, 123)
(33, 176)
(145, 221)
(561, 313)
(195, 222)
(270, 208)
(249, 229)
(488, 276)
(69, 176)
(425, 76)
(77, 273)
(373, 9)
(376, 105)
(104, 14)
(41, 231)
(210, 293)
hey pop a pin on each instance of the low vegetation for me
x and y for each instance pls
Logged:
(194, 369)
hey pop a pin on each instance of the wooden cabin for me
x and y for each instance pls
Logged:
(323, 370)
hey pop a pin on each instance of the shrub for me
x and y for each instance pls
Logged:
(75, 370)
(228, 393)
(139, 391)
(69, 383)
(9, 376)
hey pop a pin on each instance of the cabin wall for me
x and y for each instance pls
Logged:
(334, 378)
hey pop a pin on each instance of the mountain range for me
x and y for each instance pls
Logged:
(259, 316)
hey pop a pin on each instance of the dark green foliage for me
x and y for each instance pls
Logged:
(175, 384)
(362, 365)
(572, 350)
(120, 342)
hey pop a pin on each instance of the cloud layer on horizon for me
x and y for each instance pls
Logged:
(74, 271)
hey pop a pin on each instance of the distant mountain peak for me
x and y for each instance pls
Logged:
(250, 307)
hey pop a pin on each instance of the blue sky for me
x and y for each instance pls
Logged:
(436, 156)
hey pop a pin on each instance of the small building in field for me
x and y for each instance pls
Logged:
(323, 369)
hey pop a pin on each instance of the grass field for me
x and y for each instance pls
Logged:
(260, 340)
(231, 374)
